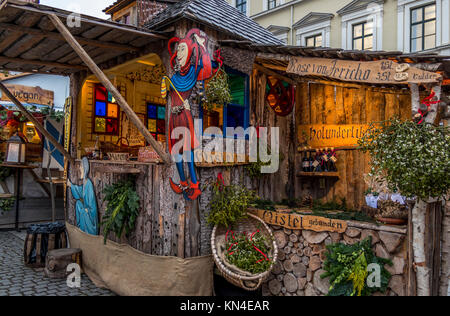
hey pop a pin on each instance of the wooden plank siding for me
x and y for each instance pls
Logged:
(319, 103)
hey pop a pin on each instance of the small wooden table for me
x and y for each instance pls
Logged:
(19, 172)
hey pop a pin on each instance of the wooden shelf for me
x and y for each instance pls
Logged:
(300, 150)
(318, 174)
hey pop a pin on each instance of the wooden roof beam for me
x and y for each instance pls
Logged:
(110, 87)
(41, 63)
(57, 36)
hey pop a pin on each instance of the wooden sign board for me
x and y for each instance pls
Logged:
(130, 134)
(203, 159)
(35, 95)
(329, 135)
(302, 222)
(381, 71)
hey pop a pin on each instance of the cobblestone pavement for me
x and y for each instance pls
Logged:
(18, 280)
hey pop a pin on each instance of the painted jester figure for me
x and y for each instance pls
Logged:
(191, 63)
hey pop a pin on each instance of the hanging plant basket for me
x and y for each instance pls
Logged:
(237, 277)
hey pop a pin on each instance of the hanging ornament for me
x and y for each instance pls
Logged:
(163, 88)
(280, 98)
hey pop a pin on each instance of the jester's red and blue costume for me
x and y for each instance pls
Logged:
(184, 80)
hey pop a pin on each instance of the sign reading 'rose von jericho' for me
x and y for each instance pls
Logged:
(381, 71)
(329, 135)
(302, 222)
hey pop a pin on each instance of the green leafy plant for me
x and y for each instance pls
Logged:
(5, 173)
(6, 205)
(217, 91)
(346, 265)
(261, 204)
(229, 204)
(122, 209)
(249, 252)
(413, 158)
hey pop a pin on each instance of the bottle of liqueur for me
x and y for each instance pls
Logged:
(311, 160)
(305, 161)
(329, 162)
(325, 160)
(333, 159)
(317, 162)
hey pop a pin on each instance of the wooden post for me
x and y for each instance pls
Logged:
(36, 123)
(109, 86)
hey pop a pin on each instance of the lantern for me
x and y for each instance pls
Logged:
(15, 151)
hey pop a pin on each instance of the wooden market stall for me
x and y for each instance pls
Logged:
(121, 122)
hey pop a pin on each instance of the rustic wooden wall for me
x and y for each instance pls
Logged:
(280, 185)
(319, 103)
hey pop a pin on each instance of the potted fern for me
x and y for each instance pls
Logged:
(123, 205)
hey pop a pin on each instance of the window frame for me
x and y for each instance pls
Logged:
(314, 36)
(246, 105)
(422, 22)
(363, 35)
(106, 117)
(271, 2)
(241, 5)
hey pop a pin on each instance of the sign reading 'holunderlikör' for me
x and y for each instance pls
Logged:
(329, 135)
(381, 71)
(299, 222)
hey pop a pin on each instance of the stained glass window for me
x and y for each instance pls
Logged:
(156, 121)
(106, 112)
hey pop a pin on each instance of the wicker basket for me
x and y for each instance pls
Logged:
(247, 282)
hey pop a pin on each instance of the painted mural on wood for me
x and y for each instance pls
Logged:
(381, 71)
(86, 203)
(331, 135)
(192, 64)
(302, 222)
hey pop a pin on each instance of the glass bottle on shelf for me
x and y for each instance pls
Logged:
(311, 160)
(318, 162)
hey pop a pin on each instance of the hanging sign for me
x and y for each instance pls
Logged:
(381, 71)
(35, 95)
(302, 222)
(329, 135)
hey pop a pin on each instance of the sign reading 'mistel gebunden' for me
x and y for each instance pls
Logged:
(300, 222)
(381, 71)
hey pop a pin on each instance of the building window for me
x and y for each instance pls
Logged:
(271, 4)
(363, 36)
(241, 5)
(314, 40)
(156, 121)
(106, 112)
(423, 28)
(237, 112)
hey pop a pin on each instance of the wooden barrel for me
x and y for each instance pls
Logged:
(41, 239)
